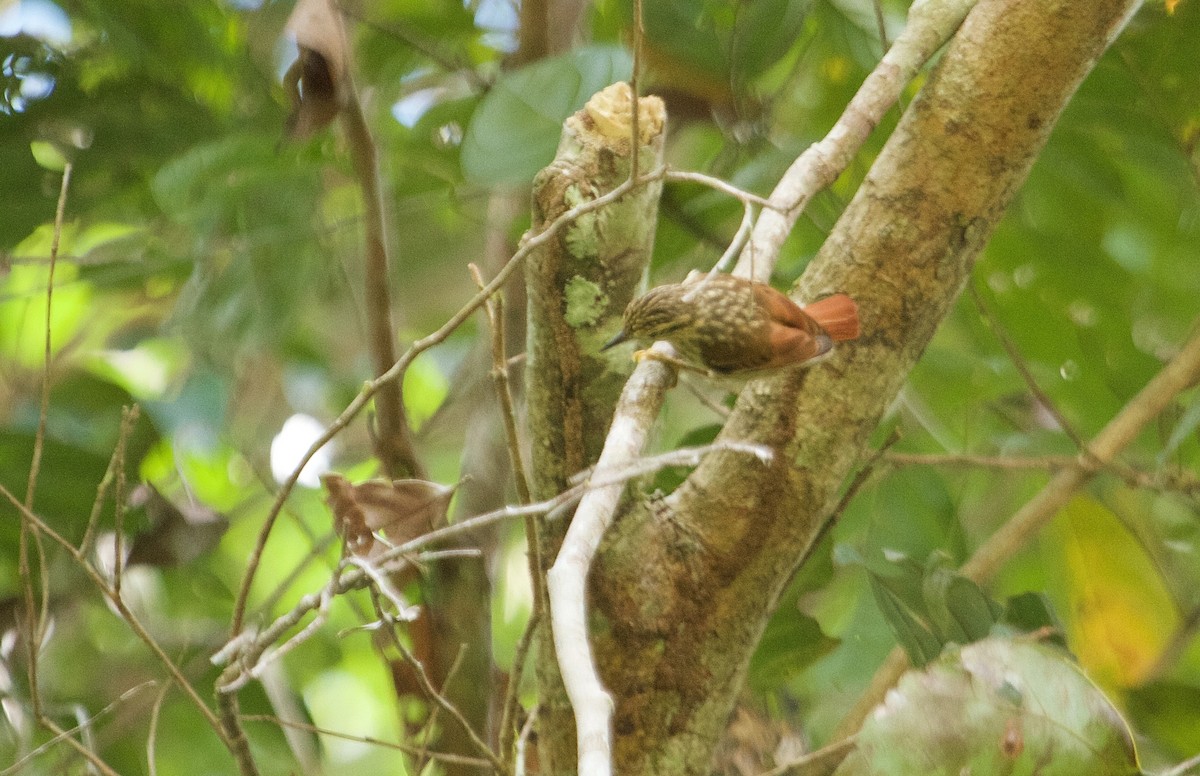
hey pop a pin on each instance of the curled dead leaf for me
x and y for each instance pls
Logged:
(399, 510)
(317, 83)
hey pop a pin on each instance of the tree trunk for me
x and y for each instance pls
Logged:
(579, 285)
(685, 588)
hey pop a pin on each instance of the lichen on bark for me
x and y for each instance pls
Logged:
(579, 284)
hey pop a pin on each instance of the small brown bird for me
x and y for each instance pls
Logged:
(730, 324)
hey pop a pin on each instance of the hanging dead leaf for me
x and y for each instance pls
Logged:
(177, 534)
(349, 519)
(318, 81)
(400, 510)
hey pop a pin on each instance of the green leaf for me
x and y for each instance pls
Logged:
(765, 31)
(960, 610)
(48, 156)
(791, 642)
(516, 128)
(692, 35)
(908, 624)
(996, 706)
(1029, 612)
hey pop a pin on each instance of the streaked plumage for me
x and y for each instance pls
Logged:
(729, 324)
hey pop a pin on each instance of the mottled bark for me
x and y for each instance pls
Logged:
(578, 286)
(686, 585)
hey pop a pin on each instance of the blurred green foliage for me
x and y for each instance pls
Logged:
(211, 273)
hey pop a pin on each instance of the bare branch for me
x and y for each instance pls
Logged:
(63, 734)
(567, 578)
(444, 703)
(415, 349)
(130, 618)
(512, 698)
(522, 740)
(716, 183)
(930, 24)
(447, 758)
(495, 314)
(244, 652)
(129, 416)
(152, 734)
(35, 615)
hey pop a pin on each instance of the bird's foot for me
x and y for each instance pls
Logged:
(641, 355)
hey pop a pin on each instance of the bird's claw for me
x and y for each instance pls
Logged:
(654, 355)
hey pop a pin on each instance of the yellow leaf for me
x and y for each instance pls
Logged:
(1118, 613)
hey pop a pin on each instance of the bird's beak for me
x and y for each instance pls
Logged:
(620, 337)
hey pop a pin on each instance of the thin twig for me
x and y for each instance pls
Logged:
(882, 25)
(860, 479)
(474, 762)
(404, 610)
(739, 239)
(152, 735)
(723, 186)
(39, 438)
(387, 624)
(415, 349)
(495, 314)
(1043, 463)
(1018, 361)
(63, 734)
(522, 740)
(129, 416)
(735, 245)
(1039, 395)
(683, 456)
(1181, 483)
(494, 308)
(35, 625)
(231, 718)
(512, 697)
(243, 652)
(393, 443)
(442, 701)
(718, 409)
(1183, 767)
(827, 756)
(119, 499)
(635, 109)
(417, 43)
(261, 658)
(1180, 374)
(129, 617)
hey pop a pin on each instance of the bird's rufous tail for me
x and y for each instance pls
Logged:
(838, 315)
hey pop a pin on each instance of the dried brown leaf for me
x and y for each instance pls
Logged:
(318, 81)
(400, 510)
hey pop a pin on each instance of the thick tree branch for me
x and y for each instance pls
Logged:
(685, 586)
(393, 439)
(579, 285)
(930, 25)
